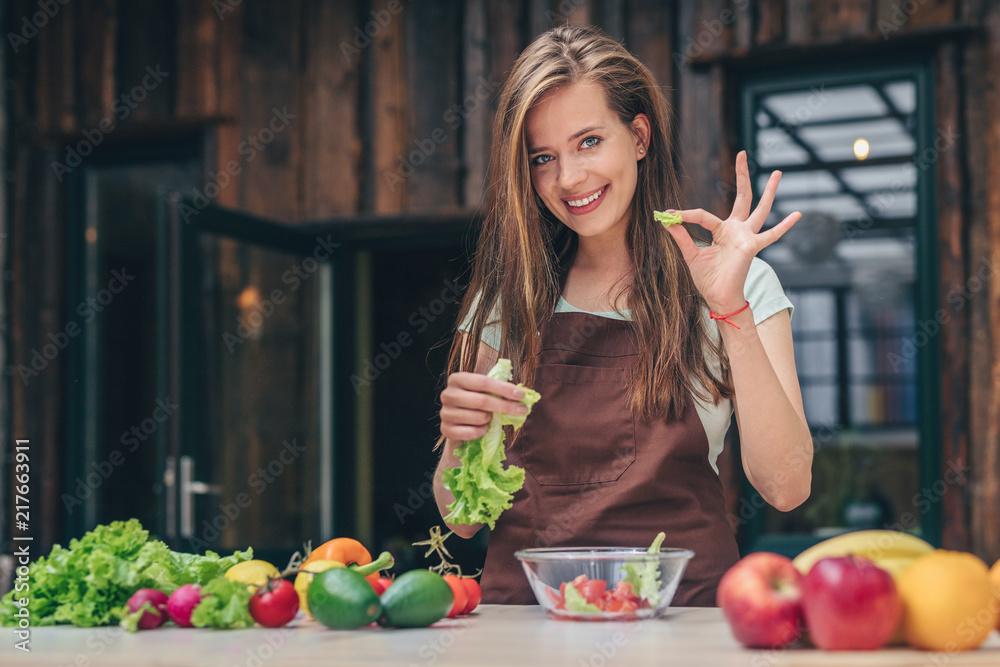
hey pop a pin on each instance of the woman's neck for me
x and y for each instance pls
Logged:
(602, 256)
(598, 273)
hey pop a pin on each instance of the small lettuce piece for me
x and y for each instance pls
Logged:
(667, 219)
(482, 487)
(224, 605)
(575, 601)
(130, 622)
(645, 576)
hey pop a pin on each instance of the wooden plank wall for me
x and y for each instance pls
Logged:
(982, 237)
(374, 86)
(953, 224)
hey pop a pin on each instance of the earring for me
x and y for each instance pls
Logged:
(641, 151)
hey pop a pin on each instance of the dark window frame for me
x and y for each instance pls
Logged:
(918, 67)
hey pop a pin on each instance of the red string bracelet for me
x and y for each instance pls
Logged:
(725, 318)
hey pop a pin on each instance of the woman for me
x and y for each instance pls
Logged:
(640, 341)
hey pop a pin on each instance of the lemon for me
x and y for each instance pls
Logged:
(253, 573)
(305, 577)
(948, 601)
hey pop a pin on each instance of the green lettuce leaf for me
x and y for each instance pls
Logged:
(645, 576)
(89, 583)
(130, 622)
(667, 219)
(482, 487)
(577, 603)
(200, 569)
(224, 605)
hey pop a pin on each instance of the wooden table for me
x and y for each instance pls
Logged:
(505, 636)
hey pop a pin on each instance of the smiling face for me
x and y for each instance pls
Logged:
(584, 160)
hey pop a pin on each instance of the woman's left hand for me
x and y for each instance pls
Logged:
(720, 270)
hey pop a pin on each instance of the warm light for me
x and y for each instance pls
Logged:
(91, 235)
(248, 298)
(861, 148)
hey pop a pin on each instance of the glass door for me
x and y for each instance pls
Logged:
(857, 154)
(246, 320)
(117, 414)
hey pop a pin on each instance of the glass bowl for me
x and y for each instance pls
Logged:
(649, 581)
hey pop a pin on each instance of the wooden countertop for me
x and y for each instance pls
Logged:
(495, 635)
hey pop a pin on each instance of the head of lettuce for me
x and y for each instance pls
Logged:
(89, 583)
(482, 487)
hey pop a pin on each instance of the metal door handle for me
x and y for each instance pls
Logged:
(169, 494)
(189, 488)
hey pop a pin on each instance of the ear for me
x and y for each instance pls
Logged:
(641, 130)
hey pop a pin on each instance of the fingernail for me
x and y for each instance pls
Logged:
(518, 393)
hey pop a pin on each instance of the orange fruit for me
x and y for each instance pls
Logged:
(948, 601)
(995, 580)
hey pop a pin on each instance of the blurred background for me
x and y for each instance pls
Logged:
(233, 236)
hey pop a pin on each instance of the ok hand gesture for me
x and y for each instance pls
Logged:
(720, 270)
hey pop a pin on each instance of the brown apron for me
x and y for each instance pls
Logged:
(595, 476)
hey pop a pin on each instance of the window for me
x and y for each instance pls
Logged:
(858, 267)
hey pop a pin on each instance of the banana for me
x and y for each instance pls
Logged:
(895, 566)
(889, 549)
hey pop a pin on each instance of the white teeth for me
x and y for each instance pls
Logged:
(584, 202)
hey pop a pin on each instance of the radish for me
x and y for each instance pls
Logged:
(182, 602)
(158, 600)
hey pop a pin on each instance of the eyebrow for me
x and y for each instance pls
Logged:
(587, 130)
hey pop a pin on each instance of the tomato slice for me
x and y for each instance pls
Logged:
(459, 594)
(623, 591)
(593, 590)
(474, 593)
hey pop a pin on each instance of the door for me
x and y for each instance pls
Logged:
(855, 149)
(195, 369)
(246, 339)
(117, 415)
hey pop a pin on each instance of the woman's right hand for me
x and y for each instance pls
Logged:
(469, 401)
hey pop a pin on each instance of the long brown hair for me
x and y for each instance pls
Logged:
(524, 251)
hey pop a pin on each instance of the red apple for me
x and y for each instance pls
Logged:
(850, 604)
(760, 598)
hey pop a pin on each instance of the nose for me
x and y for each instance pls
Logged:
(571, 174)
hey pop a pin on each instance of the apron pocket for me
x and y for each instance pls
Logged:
(582, 430)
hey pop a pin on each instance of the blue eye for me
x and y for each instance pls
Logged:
(590, 142)
(540, 160)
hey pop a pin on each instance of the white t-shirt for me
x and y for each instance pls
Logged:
(762, 289)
